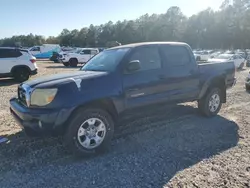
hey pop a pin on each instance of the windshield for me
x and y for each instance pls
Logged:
(105, 61)
(78, 51)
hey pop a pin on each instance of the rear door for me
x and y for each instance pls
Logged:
(182, 73)
(144, 86)
(8, 59)
(93, 53)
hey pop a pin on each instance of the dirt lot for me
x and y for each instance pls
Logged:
(160, 147)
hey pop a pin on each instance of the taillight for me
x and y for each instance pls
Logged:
(32, 60)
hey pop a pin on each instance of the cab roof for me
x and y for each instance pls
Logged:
(133, 45)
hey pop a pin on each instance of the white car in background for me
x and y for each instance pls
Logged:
(201, 55)
(17, 63)
(238, 60)
(80, 56)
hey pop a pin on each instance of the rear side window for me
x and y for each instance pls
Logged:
(175, 55)
(148, 56)
(9, 53)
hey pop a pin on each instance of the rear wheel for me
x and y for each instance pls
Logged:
(73, 62)
(90, 132)
(21, 74)
(211, 103)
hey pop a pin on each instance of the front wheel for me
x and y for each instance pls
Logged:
(210, 104)
(66, 64)
(90, 132)
(73, 62)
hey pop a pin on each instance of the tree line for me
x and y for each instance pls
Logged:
(227, 28)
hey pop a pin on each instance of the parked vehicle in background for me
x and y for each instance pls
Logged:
(17, 63)
(117, 80)
(44, 51)
(242, 54)
(248, 61)
(55, 57)
(201, 55)
(80, 56)
(229, 52)
(238, 60)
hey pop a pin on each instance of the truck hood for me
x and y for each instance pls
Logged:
(65, 77)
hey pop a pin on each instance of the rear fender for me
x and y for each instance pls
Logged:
(218, 81)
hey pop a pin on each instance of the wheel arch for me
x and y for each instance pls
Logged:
(217, 81)
(106, 104)
(18, 67)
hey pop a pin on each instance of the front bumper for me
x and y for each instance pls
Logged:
(34, 72)
(41, 121)
(63, 60)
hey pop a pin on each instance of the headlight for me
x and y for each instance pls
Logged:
(42, 97)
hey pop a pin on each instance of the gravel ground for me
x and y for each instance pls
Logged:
(164, 146)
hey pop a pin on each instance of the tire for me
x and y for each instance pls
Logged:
(21, 74)
(247, 87)
(73, 62)
(84, 140)
(66, 64)
(205, 104)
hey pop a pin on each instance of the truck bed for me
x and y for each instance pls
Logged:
(212, 69)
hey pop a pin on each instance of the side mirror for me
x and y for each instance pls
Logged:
(133, 66)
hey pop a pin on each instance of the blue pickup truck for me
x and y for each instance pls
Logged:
(84, 105)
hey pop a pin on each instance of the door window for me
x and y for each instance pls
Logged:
(35, 49)
(175, 56)
(149, 58)
(9, 53)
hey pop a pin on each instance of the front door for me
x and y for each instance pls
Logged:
(144, 86)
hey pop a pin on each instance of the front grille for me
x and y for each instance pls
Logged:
(22, 95)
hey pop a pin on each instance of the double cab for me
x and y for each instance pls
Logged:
(84, 105)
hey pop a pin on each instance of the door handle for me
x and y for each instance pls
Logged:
(135, 89)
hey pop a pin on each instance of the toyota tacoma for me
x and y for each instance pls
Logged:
(84, 105)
